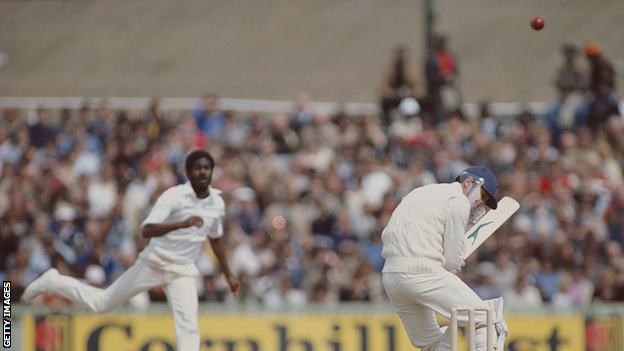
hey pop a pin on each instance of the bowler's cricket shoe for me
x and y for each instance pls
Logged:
(39, 285)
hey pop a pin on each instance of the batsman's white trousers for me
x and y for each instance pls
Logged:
(416, 298)
(180, 289)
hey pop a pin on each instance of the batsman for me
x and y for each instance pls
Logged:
(423, 245)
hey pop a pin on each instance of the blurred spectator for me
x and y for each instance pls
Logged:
(571, 82)
(603, 101)
(322, 131)
(139, 194)
(348, 132)
(399, 80)
(417, 175)
(9, 152)
(41, 132)
(370, 133)
(581, 288)
(319, 294)
(317, 157)
(102, 124)
(342, 230)
(188, 134)
(287, 207)
(140, 139)
(375, 184)
(602, 105)
(9, 242)
(285, 139)
(441, 71)
(284, 294)
(489, 122)
(606, 286)
(563, 299)
(244, 209)
(365, 285)
(64, 228)
(614, 218)
(327, 271)
(156, 119)
(609, 167)
(601, 68)
(323, 225)
(547, 280)
(209, 118)
(210, 291)
(484, 287)
(236, 131)
(86, 162)
(10, 121)
(41, 257)
(505, 271)
(155, 158)
(302, 115)
(371, 250)
(612, 133)
(102, 193)
(523, 296)
(571, 78)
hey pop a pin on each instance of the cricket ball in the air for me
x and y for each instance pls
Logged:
(537, 23)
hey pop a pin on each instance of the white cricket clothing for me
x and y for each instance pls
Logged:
(425, 233)
(180, 289)
(417, 298)
(423, 244)
(167, 261)
(182, 246)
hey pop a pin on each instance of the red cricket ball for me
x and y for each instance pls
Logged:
(537, 23)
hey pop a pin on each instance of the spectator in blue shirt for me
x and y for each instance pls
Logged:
(208, 117)
(548, 279)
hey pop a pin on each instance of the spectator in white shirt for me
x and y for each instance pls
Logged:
(523, 295)
(139, 194)
(102, 194)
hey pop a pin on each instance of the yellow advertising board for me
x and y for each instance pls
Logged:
(539, 333)
(292, 332)
(546, 333)
(243, 333)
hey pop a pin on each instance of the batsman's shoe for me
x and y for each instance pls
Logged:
(39, 285)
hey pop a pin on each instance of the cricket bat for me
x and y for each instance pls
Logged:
(486, 226)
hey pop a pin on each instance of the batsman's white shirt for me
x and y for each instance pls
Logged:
(178, 250)
(425, 233)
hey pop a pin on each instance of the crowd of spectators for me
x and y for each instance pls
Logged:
(308, 195)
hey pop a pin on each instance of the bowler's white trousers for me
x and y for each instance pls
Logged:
(180, 289)
(416, 298)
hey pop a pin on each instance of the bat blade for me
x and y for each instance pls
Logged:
(486, 226)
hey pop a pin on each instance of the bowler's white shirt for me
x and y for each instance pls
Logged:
(182, 246)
